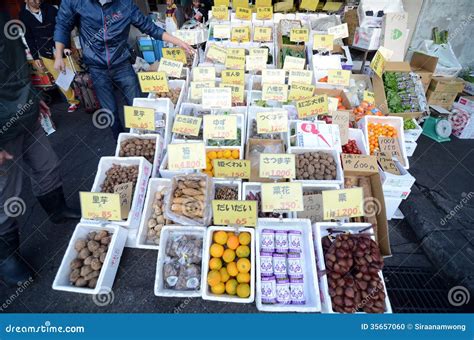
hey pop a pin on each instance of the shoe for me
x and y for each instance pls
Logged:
(55, 206)
(13, 270)
(72, 108)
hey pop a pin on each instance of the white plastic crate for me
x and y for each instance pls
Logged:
(144, 172)
(206, 291)
(174, 84)
(391, 206)
(109, 268)
(257, 95)
(241, 124)
(308, 261)
(410, 147)
(233, 183)
(251, 116)
(319, 231)
(160, 289)
(166, 173)
(412, 135)
(358, 136)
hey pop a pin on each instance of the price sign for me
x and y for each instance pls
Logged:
(222, 31)
(237, 92)
(369, 97)
(100, 206)
(236, 77)
(339, 31)
(197, 86)
(153, 82)
(273, 76)
(318, 105)
(282, 197)
(301, 91)
(204, 73)
(300, 76)
(343, 203)
(362, 163)
(313, 208)
(243, 13)
(220, 13)
(174, 53)
(323, 42)
(391, 147)
(220, 127)
(277, 165)
(235, 62)
(240, 3)
(255, 51)
(216, 53)
(294, 63)
(264, 13)
(272, 122)
(263, 3)
(262, 34)
(239, 52)
(170, 67)
(235, 212)
(186, 156)
(277, 92)
(378, 64)
(187, 125)
(240, 34)
(299, 35)
(231, 168)
(216, 97)
(255, 62)
(225, 3)
(387, 164)
(125, 192)
(332, 6)
(339, 77)
(309, 5)
(341, 118)
(188, 36)
(139, 118)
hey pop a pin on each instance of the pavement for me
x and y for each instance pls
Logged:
(443, 173)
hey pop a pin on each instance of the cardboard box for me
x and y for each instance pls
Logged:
(352, 20)
(423, 65)
(367, 38)
(443, 99)
(334, 93)
(443, 84)
(277, 145)
(395, 34)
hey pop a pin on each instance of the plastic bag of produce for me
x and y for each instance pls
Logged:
(448, 65)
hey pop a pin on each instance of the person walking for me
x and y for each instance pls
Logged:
(104, 26)
(39, 19)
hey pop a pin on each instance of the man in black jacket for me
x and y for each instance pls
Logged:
(40, 19)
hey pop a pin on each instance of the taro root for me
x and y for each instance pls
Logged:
(188, 198)
(118, 174)
(76, 263)
(157, 220)
(315, 166)
(79, 245)
(136, 147)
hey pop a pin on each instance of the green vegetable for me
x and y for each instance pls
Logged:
(409, 124)
(226, 142)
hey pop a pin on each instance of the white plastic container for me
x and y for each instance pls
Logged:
(159, 147)
(308, 187)
(257, 95)
(329, 131)
(358, 136)
(206, 291)
(251, 116)
(319, 231)
(391, 206)
(412, 135)
(236, 184)
(160, 289)
(144, 172)
(410, 147)
(154, 185)
(241, 124)
(174, 84)
(107, 274)
(166, 173)
(308, 261)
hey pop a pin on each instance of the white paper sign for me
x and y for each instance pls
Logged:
(65, 79)
(339, 31)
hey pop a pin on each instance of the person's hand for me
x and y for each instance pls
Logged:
(39, 64)
(67, 51)
(187, 48)
(59, 64)
(44, 109)
(4, 156)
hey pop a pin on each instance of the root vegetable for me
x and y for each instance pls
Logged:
(84, 253)
(76, 263)
(79, 245)
(81, 282)
(93, 246)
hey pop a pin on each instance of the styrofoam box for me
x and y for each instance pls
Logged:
(316, 187)
(257, 95)
(402, 182)
(358, 136)
(308, 261)
(319, 231)
(206, 292)
(154, 185)
(254, 187)
(217, 84)
(212, 23)
(410, 147)
(166, 232)
(144, 172)
(396, 122)
(241, 123)
(107, 274)
(234, 183)
(166, 173)
(183, 110)
(251, 116)
(388, 6)
(412, 135)
(339, 173)
(335, 136)
(158, 149)
(391, 206)
(175, 84)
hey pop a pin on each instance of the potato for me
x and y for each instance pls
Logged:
(96, 264)
(93, 246)
(76, 263)
(84, 253)
(86, 270)
(75, 274)
(81, 282)
(79, 245)
(92, 283)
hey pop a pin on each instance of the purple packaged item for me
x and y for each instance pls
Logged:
(281, 241)
(297, 292)
(294, 241)
(283, 291)
(295, 266)
(268, 241)
(279, 265)
(266, 264)
(268, 289)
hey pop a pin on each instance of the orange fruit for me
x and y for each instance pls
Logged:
(219, 154)
(215, 263)
(231, 287)
(243, 290)
(229, 255)
(235, 154)
(243, 265)
(227, 153)
(244, 238)
(224, 274)
(212, 155)
(216, 250)
(232, 269)
(220, 237)
(242, 251)
(233, 242)
(218, 288)
(230, 233)
(243, 278)
(213, 278)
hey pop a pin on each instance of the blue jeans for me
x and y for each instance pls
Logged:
(125, 80)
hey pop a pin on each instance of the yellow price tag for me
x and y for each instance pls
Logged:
(197, 86)
(153, 82)
(272, 122)
(262, 34)
(216, 97)
(217, 54)
(235, 62)
(309, 5)
(300, 76)
(139, 118)
(264, 13)
(294, 63)
(263, 3)
(170, 67)
(222, 31)
(332, 6)
(343, 203)
(277, 165)
(282, 197)
(240, 3)
(240, 34)
(255, 62)
(369, 97)
(231, 168)
(323, 42)
(174, 53)
(204, 73)
(299, 35)
(236, 77)
(186, 156)
(220, 13)
(301, 91)
(277, 92)
(220, 127)
(225, 3)
(242, 13)
(187, 125)
(238, 52)
(235, 213)
(100, 206)
(318, 105)
(273, 76)
(378, 64)
(339, 77)
(237, 91)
